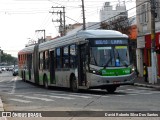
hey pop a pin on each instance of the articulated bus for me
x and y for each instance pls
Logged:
(88, 59)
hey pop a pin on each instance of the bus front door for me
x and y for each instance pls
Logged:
(52, 68)
(81, 65)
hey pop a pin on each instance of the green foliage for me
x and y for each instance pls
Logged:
(7, 58)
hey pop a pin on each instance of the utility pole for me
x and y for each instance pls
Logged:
(153, 53)
(62, 26)
(83, 12)
(44, 35)
(64, 21)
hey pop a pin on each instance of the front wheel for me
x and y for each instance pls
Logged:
(111, 89)
(73, 84)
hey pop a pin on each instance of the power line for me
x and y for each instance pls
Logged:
(60, 20)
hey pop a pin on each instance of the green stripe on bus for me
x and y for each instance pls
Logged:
(115, 72)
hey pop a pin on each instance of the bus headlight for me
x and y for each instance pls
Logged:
(96, 72)
(133, 69)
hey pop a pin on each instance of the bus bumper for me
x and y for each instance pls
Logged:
(98, 81)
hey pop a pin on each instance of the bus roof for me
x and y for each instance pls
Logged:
(101, 34)
(80, 36)
(28, 49)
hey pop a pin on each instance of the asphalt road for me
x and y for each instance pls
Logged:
(21, 96)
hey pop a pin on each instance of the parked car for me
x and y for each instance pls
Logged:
(10, 69)
(3, 69)
(15, 71)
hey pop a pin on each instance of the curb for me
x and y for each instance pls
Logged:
(2, 109)
(1, 105)
(146, 85)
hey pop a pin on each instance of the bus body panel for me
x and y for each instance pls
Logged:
(86, 42)
(62, 77)
(96, 81)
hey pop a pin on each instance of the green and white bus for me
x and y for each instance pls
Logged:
(88, 59)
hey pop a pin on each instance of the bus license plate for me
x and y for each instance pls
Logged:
(116, 82)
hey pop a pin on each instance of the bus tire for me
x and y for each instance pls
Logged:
(45, 81)
(73, 84)
(24, 76)
(111, 89)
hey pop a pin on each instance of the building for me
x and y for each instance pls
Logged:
(143, 15)
(107, 11)
(77, 27)
(71, 27)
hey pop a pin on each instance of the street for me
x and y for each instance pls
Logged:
(21, 96)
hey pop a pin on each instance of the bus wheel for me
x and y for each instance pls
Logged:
(46, 82)
(73, 85)
(111, 89)
(24, 77)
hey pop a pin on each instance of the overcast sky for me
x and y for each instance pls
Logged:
(20, 18)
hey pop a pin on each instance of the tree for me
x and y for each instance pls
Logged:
(7, 58)
(120, 24)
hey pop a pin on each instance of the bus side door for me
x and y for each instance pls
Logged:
(81, 65)
(52, 68)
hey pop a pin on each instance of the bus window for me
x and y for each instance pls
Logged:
(47, 59)
(44, 64)
(121, 54)
(58, 64)
(73, 56)
(41, 61)
(66, 57)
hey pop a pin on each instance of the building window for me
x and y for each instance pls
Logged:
(157, 13)
(145, 13)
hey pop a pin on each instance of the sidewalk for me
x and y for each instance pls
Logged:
(2, 109)
(1, 105)
(139, 81)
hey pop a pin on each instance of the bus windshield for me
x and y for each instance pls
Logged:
(112, 56)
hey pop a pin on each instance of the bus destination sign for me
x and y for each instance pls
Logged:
(110, 42)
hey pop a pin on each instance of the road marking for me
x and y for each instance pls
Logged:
(14, 85)
(72, 95)
(2, 80)
(106, 96)
(146, 93)
(79, 96)
(37, 98)
(68, 98)
(87, 94)
(132, 94)
(19, 100)
(120, 90)
(54, 96)
(120, 95)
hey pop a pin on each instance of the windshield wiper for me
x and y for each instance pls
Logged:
(95, 60)
(107, 63)
(125, 64)
(110, 59)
